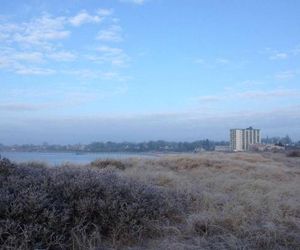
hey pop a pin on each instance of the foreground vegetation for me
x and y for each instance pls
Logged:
(206, 201)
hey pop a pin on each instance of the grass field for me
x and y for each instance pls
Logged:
(202, 201)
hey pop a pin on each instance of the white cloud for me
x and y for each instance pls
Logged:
(9, 57)
(24, 70)
(96, 74)
(84, 73)
(84, 17)
(282, 55)
(105, 12)
(3, 36)
(114, 76)
(63, 96)
(37, 46)
(139, 2)
(182, 126)
(41, 30)
(17, 107)
(112, 55)
(110, 50)
(31, 62)
(279, 56)
(62, 56)
(254, 95)
(111, 34)
(32, 57)
(217, 62)
(286, 75)
(4, 63)
(222, 61)
(209, 98)
(200, 61)
(269, 94)
(296, 50)
(250, 83)
(7, 30)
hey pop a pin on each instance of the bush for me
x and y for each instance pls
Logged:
(6, 167)
(293, 153)
(63, 208)
(108, 163)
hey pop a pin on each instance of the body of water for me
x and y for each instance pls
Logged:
(59, 158)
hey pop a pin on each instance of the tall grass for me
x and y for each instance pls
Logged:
(205, 201)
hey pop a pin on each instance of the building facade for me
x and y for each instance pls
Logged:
(241, 139)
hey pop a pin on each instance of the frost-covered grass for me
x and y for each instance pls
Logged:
(205, 201)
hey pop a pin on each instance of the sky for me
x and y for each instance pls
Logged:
(78, 71)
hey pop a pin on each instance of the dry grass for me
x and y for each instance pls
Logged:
(205, 201)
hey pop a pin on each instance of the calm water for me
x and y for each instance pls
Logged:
(58, 158)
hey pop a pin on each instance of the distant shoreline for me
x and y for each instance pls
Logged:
(58, 158)
(96, 152)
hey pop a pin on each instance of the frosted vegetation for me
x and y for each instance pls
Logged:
(208, 201)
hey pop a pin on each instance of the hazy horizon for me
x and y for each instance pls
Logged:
(139, 70)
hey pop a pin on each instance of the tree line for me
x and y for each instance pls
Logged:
(150, 146)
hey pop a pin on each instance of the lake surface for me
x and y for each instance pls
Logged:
(59, 158)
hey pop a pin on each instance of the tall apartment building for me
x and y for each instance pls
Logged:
(241, 139)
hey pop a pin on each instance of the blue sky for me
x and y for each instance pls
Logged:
(134, 70)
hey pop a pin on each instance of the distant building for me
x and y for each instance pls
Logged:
(241, 139)
(266, 148)
(199, 149)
